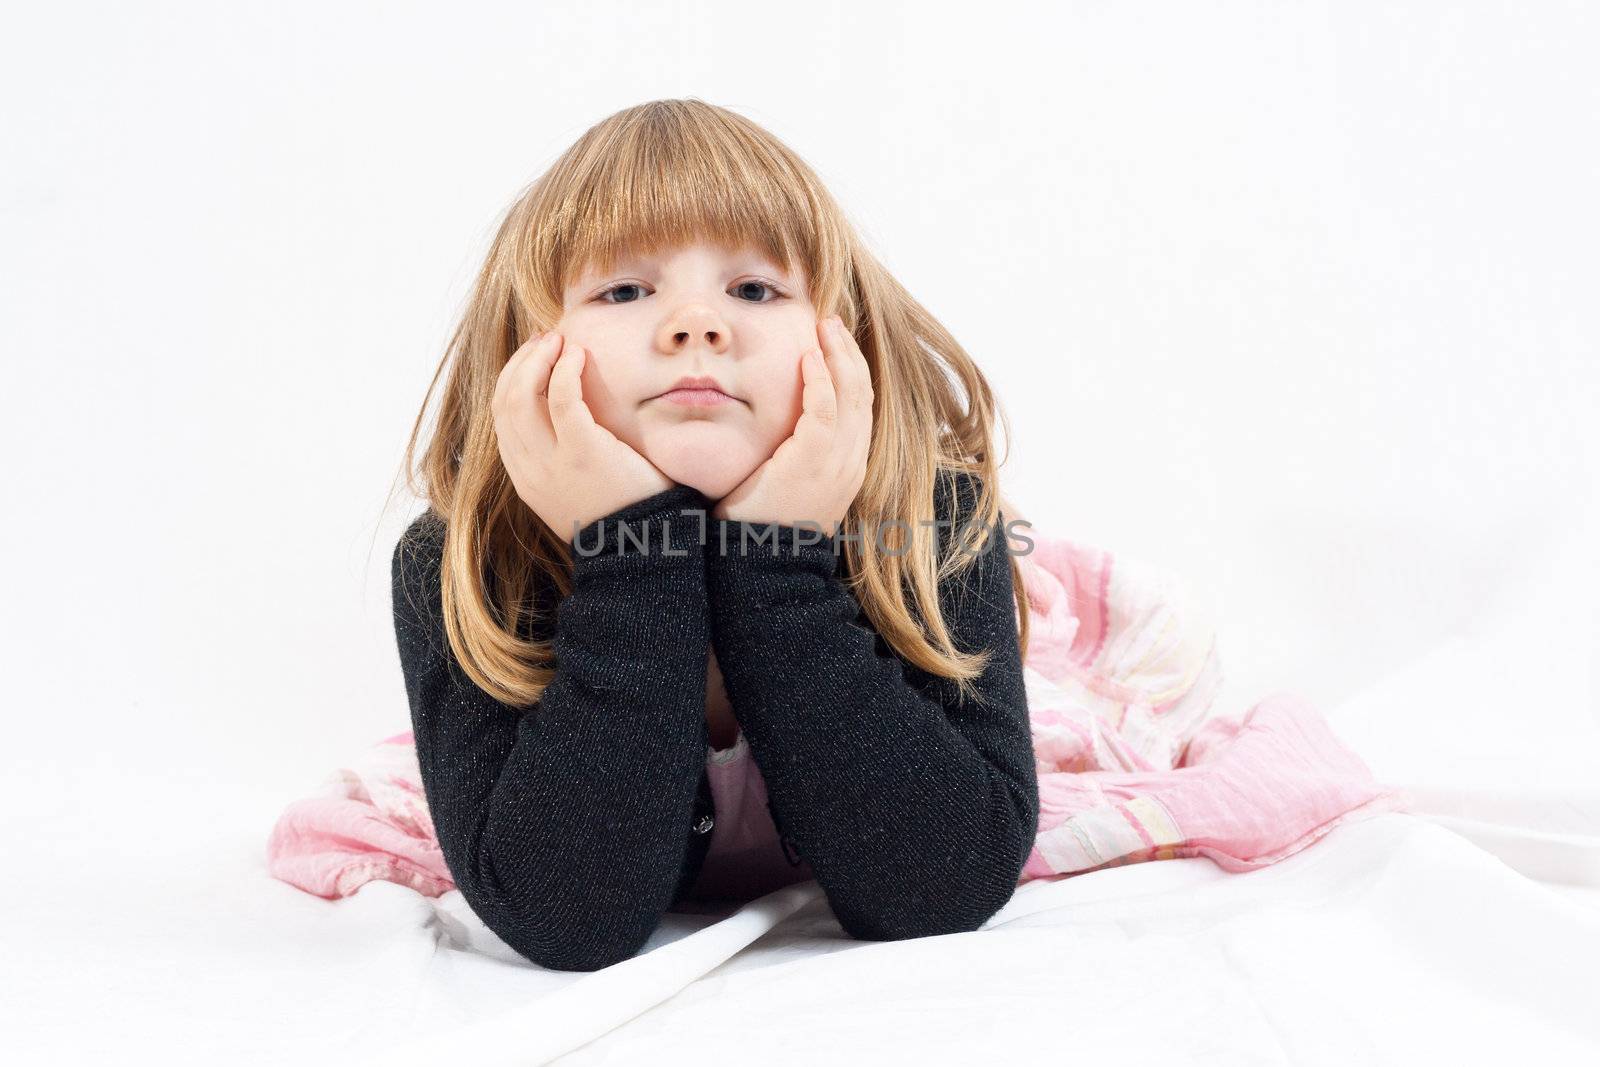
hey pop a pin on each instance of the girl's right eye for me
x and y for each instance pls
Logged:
(608, 290)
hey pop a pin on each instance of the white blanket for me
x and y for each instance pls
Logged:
(1464, 934)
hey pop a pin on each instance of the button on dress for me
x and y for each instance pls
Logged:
(746, 858)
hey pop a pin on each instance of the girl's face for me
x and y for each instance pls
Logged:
(699, 310)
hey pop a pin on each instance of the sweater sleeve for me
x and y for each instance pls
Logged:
(565, 824)
(915, 813)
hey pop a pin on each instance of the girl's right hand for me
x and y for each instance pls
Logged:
(565, 466)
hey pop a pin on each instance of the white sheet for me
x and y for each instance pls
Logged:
(1394, 940)
(1467, 933)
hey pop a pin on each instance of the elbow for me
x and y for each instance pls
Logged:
(948, 906)
(554, 915)
(951, 912)
(592, 947)
(566, 935)
(587, 954)
(947, 898)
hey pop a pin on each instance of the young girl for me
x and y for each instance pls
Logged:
(626, 692)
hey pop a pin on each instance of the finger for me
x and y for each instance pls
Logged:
(526, 379)
(853, 378)
(856, 417)
(536, 372)
(569, 415)
(850, 369)
(819, 414)
(507, 404)
(503, 381)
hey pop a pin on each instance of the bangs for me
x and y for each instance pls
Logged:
(668, 178)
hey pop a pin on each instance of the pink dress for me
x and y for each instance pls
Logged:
(745, 859)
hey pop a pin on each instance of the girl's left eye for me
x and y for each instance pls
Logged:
(624, 286)
(773, 289)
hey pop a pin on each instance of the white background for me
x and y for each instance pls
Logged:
(1293, 300)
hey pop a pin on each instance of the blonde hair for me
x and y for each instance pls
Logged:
(658, 176)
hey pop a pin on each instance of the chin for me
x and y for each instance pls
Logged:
(714, 467)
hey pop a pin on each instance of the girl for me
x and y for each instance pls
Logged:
(626, 692)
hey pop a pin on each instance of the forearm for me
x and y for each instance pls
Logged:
(565, 824)
(915, 814)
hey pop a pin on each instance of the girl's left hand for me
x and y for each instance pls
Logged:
(814, 476)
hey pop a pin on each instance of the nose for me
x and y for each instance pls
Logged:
(694, 326)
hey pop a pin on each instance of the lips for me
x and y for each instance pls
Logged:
(699, 382)
(696, 398)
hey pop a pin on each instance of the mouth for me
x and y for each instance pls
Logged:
(696, 397)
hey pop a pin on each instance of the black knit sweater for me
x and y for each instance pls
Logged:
(571, 825)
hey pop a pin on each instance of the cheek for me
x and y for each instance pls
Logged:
(608, 388)
(781, 401)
